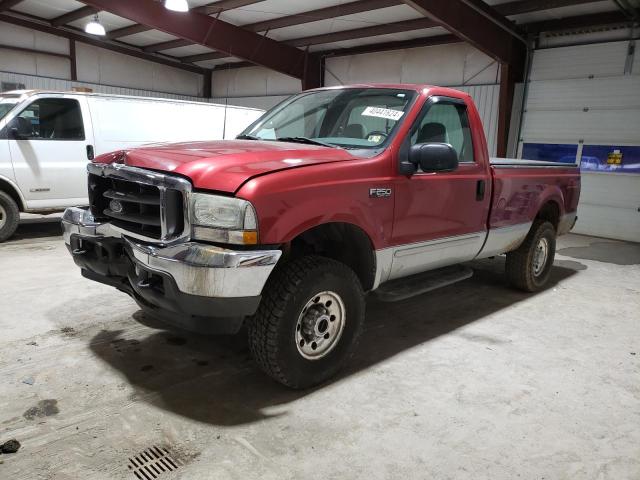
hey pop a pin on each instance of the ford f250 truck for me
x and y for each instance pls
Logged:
(334, 193)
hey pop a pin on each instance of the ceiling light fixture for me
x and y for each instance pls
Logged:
(176, 5)
(94, 27)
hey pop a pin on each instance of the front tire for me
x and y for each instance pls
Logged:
(308, 322)
(529, 266)
(9, 216)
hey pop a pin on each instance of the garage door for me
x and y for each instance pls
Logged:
(583, 105)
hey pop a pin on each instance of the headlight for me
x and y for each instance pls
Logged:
(223, 219)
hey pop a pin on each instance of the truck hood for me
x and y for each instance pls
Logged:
(226, 164)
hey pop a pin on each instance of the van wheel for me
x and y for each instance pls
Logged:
(528, 268)
(308, 322)
(9, 216)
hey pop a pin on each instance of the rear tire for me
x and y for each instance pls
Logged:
(9, 216)
(529, 266)
(308, 322)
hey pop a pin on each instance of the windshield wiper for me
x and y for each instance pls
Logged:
(247, 137)
(306, 140)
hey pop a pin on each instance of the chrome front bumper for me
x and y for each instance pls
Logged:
(196, 268)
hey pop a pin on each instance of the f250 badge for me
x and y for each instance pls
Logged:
(379, 192)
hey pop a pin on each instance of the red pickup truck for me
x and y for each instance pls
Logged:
(334, 193)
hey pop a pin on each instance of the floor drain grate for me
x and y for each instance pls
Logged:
(152, 462)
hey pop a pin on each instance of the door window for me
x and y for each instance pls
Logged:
(446, 122)
(51, 119)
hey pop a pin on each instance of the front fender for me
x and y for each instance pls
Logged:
(289, 204)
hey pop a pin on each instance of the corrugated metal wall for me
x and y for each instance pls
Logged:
(486, 100)
(590, 95)
(44, 83)
(93, 64)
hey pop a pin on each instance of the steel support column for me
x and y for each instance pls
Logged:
(206, 84)
(313, 72)
(505, 106)
(485, 29)
(73, 64)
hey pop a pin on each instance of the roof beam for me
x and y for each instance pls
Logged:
(73, 16)
(224, 5)
(33, 50)
(486, 30)
(567, 22)
(126, 31)
(364, 32)
(321, 14)
(297, 19)
(168, 45)
(209, 9)
(210, 32)
(528, 6)
(78, 35)
(510, 8)
(580, 21)
(7, 4)
(376, 47)
(397, 45)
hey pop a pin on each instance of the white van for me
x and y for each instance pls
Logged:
(47, 138)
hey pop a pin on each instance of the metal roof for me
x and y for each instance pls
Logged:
(316, 25)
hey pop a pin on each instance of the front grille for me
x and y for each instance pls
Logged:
(151, 211)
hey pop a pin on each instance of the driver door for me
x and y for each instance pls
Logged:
(49, 151)
(440, 218)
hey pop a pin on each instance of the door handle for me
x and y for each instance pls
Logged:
(90, 153)
(480, 187)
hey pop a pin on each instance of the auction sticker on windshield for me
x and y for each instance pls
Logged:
(382, 113)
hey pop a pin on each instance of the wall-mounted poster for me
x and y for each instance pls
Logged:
(608, 158)
(550, 152)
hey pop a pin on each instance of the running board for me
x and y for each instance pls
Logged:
(408, 287)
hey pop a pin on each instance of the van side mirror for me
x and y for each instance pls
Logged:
(13, 133)
(13, 130)
(434, 157)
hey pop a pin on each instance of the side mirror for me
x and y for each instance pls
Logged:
(434, 157)
(13, 130)
(13, 133)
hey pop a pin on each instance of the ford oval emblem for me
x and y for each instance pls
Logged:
(115, 206)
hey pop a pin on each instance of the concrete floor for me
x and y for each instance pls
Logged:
(471, 381)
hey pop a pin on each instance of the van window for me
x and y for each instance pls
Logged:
(51, 119)
(446, 122)
(7, 102)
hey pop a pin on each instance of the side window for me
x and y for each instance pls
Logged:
(51, 119)
(446, 123)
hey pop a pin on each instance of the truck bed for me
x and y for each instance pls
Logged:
(522, 187)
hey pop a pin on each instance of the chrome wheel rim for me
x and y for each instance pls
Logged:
(3, 216)
(320, 325)
(540, 256)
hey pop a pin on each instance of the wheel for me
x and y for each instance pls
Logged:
(308, 322)
(9, 216)
(528, 267)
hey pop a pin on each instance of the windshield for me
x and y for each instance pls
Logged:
(352, 118)
(7, 102)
